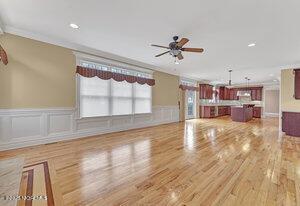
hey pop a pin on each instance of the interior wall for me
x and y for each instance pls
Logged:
(165, 90)
(41, 75)
(37, 75)
(271, 101)
(288, 102)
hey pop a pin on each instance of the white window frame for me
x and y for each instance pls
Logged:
(188, 82)
(134, 70)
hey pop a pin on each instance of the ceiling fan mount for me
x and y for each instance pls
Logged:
(175, 48)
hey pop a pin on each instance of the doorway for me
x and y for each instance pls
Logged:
(190, 111)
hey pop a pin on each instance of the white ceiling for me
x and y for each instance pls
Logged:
(127, 27)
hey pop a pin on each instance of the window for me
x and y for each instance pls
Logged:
(143, 98)
(122, 97)
(98, 97)
(186, 82)
(94, 97)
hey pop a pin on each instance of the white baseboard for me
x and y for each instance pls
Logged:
(266, 114)
(28, 127)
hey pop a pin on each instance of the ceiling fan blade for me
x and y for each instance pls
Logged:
(162, 54)
(160, 46)
(179, 56)
(193, 49)
(182, 42)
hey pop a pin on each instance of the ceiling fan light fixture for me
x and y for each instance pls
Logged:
(251, 45)
(176, 61)
(74, 26)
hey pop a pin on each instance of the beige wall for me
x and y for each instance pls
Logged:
(165, 90)
(288, 102)
(271, 101)
(41, 75)
(37, 75)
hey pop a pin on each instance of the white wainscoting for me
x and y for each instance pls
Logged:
(27, 127)
(266, 114)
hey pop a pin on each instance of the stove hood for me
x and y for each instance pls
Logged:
(244, 93)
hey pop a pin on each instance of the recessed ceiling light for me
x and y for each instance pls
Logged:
(251, 45)
(271, 75)
(275, 80)
(74, 26)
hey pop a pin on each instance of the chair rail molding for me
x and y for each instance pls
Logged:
(268, 114)
(28, 127)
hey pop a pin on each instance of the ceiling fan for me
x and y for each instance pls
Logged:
(176, 47)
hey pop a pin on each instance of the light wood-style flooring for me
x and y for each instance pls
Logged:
(199, 162)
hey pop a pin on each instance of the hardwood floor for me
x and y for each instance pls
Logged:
(200, 162)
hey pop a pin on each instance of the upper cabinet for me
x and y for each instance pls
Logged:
(206, 91)
(226, 94)
(256, 93)
(222, 93)
(297, 83)
(231, 94)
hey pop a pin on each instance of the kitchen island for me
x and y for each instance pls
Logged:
(213, 110)
(242, 113)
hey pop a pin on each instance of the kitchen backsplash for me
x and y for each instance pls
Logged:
(230, 102)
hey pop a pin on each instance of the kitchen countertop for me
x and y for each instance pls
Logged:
(224, 105)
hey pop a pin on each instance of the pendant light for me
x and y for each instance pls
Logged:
(247, 92)
(230, 71)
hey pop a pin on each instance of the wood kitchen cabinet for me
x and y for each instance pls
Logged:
(221, 93)
(253, 94)
(235, 96)
(259, 94)
(257, 112)
(207, 111)
(206, 91)
(228, 110)
(256, 93)
(297, 83)
(223, 110)
(231, 94)
(290, 123)
(226, 94)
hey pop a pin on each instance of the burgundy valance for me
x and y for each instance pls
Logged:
(185, 87)
(88, 72)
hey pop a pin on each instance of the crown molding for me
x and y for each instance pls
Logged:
(84, 49)
(87, 50)
(75, 47)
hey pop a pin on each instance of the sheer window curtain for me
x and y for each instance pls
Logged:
(98, 98)
(94, 97)
(122, 97)
(143, 98)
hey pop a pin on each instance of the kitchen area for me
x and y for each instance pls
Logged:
(241, 103)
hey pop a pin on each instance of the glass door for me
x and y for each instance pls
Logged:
(190, 106)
